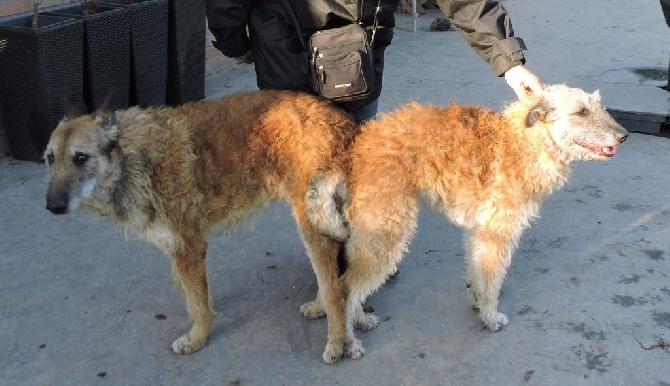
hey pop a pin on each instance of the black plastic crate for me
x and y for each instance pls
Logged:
(186, 51)
(41, 79)
(149, 50)
(106, 52)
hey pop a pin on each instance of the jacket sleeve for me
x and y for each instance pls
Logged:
(228, 19)
(486, 26)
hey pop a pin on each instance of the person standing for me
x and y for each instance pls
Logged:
(262, 32)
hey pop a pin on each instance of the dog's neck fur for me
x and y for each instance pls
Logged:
(552, 167)
(122, 186)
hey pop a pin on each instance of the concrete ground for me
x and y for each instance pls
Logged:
(588, 293)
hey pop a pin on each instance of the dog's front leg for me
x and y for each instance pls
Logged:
(490, 255)
(189, 272)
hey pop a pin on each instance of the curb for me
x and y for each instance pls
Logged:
(647, 123)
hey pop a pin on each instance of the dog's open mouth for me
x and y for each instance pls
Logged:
(603, 151)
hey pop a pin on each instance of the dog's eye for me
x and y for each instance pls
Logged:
(49, 158)
(582, 112)
(80, 158)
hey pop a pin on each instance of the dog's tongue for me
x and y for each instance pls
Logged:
(605, 151)
(608, 150)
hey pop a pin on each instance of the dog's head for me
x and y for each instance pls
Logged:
(577, 122)
(77, 155)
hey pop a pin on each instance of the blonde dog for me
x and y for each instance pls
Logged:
(485, 171)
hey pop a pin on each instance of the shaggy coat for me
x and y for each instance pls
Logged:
(172, 174)
(485, 171)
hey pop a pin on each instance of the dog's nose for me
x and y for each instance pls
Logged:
(57, 206)
(623, 138)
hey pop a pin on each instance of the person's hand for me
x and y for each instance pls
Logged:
(524, 83)
(245, 59)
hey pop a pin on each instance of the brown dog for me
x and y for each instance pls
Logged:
(487, 172)
(171, 174)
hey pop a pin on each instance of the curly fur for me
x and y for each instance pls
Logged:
(485, 171)
(172, 174)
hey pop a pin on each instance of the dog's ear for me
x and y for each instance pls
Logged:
(105, 119)
(595, 97)
(77, 111)
(106, 105)
(106, 122)
(541, 112)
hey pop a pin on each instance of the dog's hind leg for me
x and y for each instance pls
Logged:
(322, 252)
(316, 309)
(370, 264)
(490, 254)
(190, 276)
(381, 229)
(469, 275)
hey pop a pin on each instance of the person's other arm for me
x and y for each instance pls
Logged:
(487, 27)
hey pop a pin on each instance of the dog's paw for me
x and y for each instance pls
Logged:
(496, 321)
(393, 274)
(332, 354)
(313, 310)
(354, 349)
(366, 322)
(186, 345)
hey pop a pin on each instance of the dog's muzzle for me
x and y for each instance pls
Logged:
(622, 138)
(57, 205)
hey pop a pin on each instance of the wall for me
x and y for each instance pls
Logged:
(10, 7)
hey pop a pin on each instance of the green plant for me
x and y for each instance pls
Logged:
(36, 10)
(88, 7)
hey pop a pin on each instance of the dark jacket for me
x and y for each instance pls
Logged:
(281, 61)
(279, 56)
(665, 7)
(486, 26)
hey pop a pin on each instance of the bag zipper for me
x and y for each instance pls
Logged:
(327, 66)
(331, 46)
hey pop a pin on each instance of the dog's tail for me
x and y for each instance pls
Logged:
(326, 198)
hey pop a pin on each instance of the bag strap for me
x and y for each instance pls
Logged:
(289, 9)
(375, 23)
